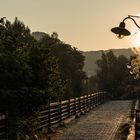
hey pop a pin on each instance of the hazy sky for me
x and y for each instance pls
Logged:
(85, 24)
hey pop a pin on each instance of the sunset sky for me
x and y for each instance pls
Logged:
(85, 24)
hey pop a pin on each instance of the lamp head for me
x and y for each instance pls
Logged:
(121, 31)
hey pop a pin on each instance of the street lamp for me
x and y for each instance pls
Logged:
(121, 31)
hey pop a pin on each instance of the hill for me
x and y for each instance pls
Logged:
(92, 56)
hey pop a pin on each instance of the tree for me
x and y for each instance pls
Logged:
(71, 62)
(50, 75)
(29, 72)
(112, 75)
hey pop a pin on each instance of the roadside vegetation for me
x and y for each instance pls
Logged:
(33, 73)
(38, 68)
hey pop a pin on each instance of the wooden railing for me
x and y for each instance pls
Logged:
(137, 120)
(3, 126)
(57, 112)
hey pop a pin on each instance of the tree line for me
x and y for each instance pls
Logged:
(34, 72)
(114, 77)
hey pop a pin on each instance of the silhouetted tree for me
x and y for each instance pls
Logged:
(71, 62)
(113, 76)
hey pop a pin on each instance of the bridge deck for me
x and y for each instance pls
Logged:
(102, 123)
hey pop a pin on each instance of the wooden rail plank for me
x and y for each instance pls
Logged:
(59, 111)
(3, 126)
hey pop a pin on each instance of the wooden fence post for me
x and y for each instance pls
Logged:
(49, 125)
(69, 107)
(79, 104)
(104, 95)
(4, 126)
(90, 101)
(99, 98)
(50, 129)
(85, 102)
(60, 111)
(7, 126)
(92, 98)
(137, 120)
(96, 100)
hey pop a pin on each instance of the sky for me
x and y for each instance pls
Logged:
(84, 24)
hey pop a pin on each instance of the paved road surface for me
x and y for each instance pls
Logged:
(102, 123)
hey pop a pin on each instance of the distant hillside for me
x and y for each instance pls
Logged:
(92, 56)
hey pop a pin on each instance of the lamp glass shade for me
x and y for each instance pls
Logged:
(121, 30)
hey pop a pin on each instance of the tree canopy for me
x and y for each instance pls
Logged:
(29, 72)
(70, 61)
(113, 76)
(34, 71)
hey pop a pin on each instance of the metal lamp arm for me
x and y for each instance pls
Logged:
(130, 17)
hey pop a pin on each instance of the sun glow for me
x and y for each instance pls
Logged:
(135, 36)
(136, 39)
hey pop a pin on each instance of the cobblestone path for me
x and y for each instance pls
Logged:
(101, 123)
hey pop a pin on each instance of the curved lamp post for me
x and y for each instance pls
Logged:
(121, 31)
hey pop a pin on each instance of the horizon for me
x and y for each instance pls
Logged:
(109, 49)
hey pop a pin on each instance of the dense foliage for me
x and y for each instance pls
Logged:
(90, 66)
(114, 77)
(71, 62)
(34, 72)
(28, 70)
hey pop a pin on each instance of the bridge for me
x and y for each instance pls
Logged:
(109, 121)
(89, 117)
